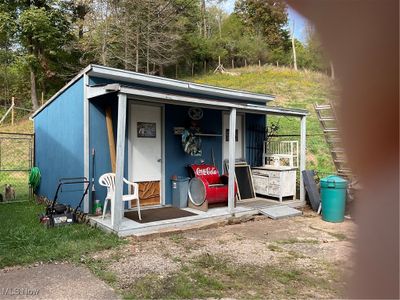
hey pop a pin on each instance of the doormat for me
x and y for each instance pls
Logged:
(279, 212)
(158, 214)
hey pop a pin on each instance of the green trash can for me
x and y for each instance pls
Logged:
(333, 198)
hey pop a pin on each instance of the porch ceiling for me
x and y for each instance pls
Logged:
(160, 97)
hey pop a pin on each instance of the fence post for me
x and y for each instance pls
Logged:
(12, 110)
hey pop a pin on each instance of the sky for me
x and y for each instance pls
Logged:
(299, 21)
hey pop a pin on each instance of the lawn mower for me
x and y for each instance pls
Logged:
(58, 214)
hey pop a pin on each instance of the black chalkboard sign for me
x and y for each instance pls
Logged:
(245, 184)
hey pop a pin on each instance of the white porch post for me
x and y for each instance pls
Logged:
(302, 155)
(231, 180)
(86, 132)
(116, 206)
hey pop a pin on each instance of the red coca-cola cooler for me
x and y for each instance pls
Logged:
(207, 184)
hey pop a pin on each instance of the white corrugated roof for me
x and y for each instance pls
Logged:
(161, 82)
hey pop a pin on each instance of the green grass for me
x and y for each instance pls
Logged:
(24, 240)
(208, 276)
(294, 89)
(297, 241)
(22, 126)
(19, 181)
(338, 235)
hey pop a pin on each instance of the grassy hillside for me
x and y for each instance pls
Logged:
(22, 123)
(295, 89)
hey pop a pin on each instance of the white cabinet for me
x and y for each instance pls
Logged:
(275, 181)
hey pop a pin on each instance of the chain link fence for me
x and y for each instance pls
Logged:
(16, 160)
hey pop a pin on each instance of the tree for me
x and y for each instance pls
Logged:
(7, 32)
(42, 40)
(267, 18)
(315, 53)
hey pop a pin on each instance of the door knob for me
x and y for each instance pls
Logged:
(159, 160)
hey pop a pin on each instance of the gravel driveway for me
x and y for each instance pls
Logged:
(301, 257)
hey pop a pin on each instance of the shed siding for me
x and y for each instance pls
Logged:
(175, 158)
(59, 143)
(255, 135)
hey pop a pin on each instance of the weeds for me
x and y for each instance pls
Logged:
(208, 276)
(297, 241)
(338, 235)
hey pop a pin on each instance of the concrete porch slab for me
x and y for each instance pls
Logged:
(213, 217)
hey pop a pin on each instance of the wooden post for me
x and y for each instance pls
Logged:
(303, 137)
(332, 70)
(117, 205)
(205, 66)
(12, 110)
(42, 100)
(219, 60)
(110, 134)
(233, 63)
(259, 63)
(245, 62)
(231, 179)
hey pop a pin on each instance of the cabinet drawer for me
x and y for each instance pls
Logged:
(260, 184)
(274, 181)
(273, 174)
(260, 173)
(274, 190)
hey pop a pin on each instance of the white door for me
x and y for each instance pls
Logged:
(146, 149)
(239, 152)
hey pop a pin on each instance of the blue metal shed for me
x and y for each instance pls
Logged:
(73, 122)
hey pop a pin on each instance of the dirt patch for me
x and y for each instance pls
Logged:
(301, 257)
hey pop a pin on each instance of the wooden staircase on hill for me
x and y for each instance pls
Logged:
(327, 117)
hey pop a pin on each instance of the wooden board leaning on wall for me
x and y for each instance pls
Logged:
(149, 193)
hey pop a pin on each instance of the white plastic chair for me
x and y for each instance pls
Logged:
(108, 180)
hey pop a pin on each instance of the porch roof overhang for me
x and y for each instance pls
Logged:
(168, 98)
(158, 82)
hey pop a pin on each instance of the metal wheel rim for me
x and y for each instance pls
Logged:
(191, 196)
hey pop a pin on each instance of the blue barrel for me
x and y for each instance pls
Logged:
(333, 198)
